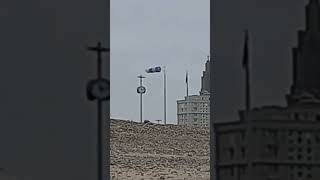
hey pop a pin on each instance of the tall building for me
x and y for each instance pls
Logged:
(279, 143)
(306, 56)
(194, 110)
(205, 79)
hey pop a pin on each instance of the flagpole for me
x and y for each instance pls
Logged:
(248, 88)
(156, 70)
(247, 70)
(187, 82)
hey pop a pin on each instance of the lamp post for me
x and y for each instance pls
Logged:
(164, 95)
(141, 90)
(99, 90)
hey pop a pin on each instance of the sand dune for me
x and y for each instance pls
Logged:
(152, 151)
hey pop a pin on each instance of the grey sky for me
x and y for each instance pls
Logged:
(144, 34)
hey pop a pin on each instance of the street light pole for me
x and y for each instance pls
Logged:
(98, 91)
(164, 95)
(141, 106)
(141, 90)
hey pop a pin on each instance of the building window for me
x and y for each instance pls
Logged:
(275, 168)
(290, 132)
(275, 151)
(243, 152)
(291, 149)
(290, 141)
(309, 141)
(242, 135)
(309, 150)
(231, 153)
(299, 157)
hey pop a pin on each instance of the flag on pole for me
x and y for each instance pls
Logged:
(153, 70)
(187, 77)
(245, 64)
(245, 60)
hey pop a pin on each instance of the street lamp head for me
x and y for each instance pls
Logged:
(98, 48)
(140, 76)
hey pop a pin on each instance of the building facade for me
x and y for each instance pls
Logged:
(205, 79)
(270, 143)
(279, 143)
(194, 110)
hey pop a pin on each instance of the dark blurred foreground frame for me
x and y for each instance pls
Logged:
(274, 142)
(47, 125)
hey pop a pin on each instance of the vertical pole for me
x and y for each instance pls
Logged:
(100, 129)
(247, 88)
(140, 100)
(164, 95)
(99, 61)
(187, 84)
(247, 69)
(99, 147)
(99, 123)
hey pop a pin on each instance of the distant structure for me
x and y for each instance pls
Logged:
(194, 110)
(279, 143)
(205, 79)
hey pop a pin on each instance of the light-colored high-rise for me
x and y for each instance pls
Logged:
(194, 110)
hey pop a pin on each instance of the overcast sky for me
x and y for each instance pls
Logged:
(176, 33)
(148, 33)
